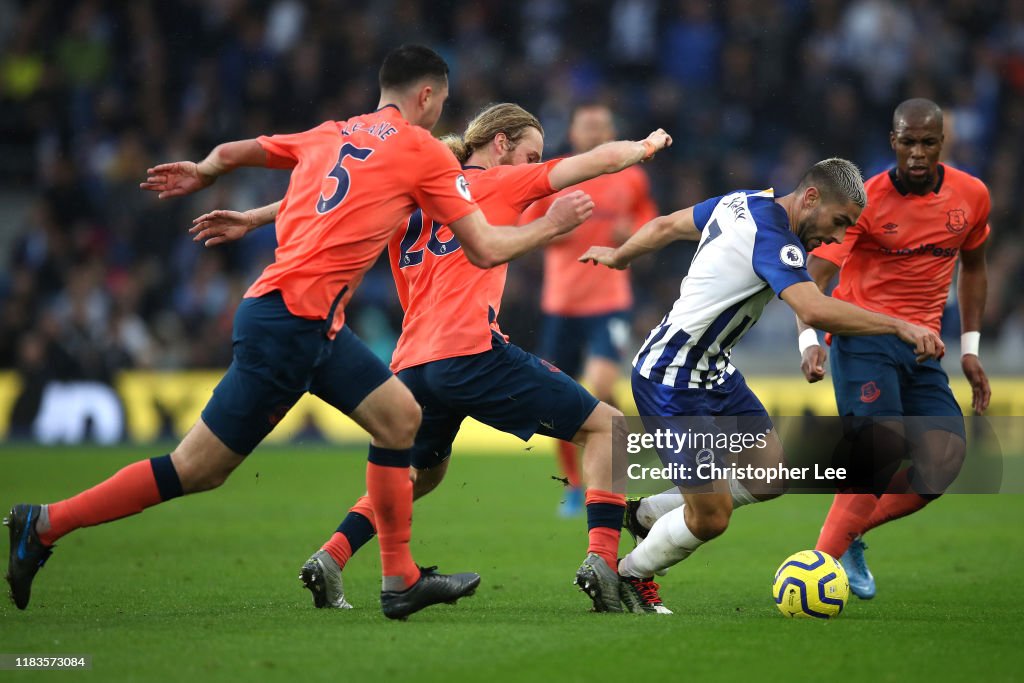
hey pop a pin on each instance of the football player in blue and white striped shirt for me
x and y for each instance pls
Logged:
(752, 246)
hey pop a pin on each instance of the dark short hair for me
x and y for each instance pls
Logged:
(918, 110)
(408, 64)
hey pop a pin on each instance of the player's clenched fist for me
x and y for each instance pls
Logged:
(176, 179)
(812, 363)
(570, 210)
(657, 141)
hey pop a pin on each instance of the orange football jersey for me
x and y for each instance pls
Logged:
(353, 184)
(899, 257)
(451, 306)
(622, 204)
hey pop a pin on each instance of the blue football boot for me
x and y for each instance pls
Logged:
(28, 553)
(862, 583)
(572, 506)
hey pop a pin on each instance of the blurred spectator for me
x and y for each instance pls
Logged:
(99, 277)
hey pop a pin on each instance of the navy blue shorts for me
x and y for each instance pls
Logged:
(878, 376)
(730, 411)
(277, 358)
(505, 388)
(565, 338)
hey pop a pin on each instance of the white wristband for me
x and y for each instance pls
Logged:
(807, 339)
(969, 343)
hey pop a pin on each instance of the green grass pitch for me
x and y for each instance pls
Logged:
(206, 588)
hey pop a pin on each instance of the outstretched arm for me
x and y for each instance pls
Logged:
(185, 177)
(839, 317)
(487, 246)
(221, 227)
(610, 157)
(651, 237)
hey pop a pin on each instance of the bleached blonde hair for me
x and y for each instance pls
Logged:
(836, 179)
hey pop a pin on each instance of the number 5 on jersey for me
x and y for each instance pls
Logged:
(342, 176)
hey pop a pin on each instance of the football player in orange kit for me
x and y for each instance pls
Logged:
(586, 310)
(899, 259)
(453, 355)
(353, 184)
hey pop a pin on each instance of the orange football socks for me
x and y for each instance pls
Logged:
(846, 519)
(604, 520)
(130, 491)
(390, 493)
(569, 460)
(354, 531)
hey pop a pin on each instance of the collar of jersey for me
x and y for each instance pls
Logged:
(390, 106)
(902, 189)
(466, 168)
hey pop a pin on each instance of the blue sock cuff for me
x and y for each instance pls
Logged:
(357, 530)
(387, 457)
(604, 515)
(167, 481)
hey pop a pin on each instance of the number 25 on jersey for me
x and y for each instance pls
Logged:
(411, 257)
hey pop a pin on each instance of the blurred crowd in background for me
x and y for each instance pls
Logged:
(98, 276)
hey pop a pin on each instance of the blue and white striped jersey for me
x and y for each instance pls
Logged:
(747, 250)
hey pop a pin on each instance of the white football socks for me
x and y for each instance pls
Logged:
(653, 508)
(669, 542)
(740, 495)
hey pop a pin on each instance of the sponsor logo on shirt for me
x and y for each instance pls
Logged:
(929, 249)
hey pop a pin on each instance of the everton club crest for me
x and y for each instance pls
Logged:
(956, 221)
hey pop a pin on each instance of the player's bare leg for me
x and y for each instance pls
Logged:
(600, 376)
(936, 463)
(200, 462)
(390, 415)
(426, 480)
